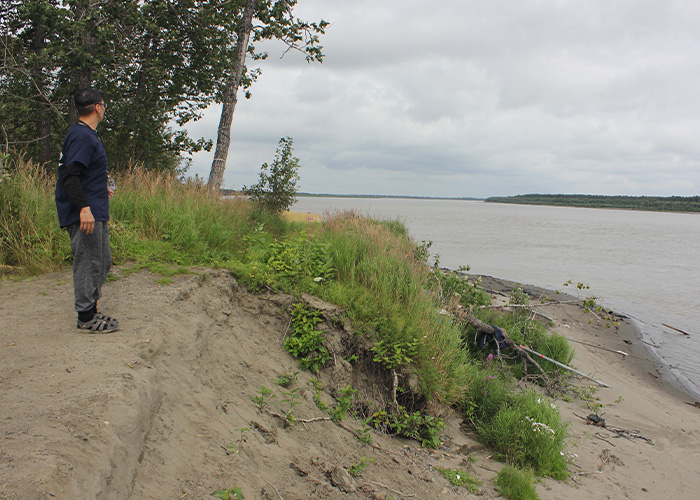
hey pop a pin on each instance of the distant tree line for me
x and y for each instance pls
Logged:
(651, 203)
(159, 63)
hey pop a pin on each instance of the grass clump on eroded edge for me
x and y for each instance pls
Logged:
(516, 484)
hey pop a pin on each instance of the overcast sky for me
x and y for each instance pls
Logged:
(480, 98)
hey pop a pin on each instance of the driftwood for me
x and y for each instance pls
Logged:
(624, 354)
(480, 326)
(602, 384)
(522, 350)
(674, 328)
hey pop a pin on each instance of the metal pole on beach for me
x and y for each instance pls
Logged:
(602, 384)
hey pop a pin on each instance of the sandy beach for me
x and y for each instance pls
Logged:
(163, 408)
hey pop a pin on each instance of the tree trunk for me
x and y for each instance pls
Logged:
(223, 139)
(43, 108)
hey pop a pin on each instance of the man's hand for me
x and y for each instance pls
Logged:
(87, 221)
(110, 193)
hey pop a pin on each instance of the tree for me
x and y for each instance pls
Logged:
(28, 75)
(277, 188)
(230, 97)
(277, 22)
(156, 61)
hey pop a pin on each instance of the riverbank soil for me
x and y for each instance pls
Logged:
(163, 408)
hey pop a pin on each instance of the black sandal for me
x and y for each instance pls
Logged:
(99, 324)
(106, 318)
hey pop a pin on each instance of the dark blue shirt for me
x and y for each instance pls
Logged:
(83, 146)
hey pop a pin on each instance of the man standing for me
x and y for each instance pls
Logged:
(82, 201)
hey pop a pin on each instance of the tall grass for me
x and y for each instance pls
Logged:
(384, 287)
(30, 238)
(155, 218)
(527, 430)
(158, 218)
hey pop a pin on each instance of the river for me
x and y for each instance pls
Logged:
(643, 264)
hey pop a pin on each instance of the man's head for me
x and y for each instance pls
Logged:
(88, 101)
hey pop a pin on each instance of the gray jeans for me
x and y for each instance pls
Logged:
(92, 258)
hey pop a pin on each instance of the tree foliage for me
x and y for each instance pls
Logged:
(277, 188)
(651, 203)
(159, 64)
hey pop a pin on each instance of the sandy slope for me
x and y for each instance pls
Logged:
(150, 411)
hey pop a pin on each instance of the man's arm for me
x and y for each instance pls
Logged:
(74, 191)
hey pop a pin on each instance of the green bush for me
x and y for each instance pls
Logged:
(487, 393)
(304, 341)
(423, 428)
(524, 331)
(528, 432)
(277, 188)
(515, 484)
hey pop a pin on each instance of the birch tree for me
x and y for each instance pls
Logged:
(276, 21)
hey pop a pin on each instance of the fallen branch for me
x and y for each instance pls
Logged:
(676, 329)
(486, 468)
(629, 434)
(480, 326)
(624, 354)
(602, 384)
(603, 439)
(303, 420)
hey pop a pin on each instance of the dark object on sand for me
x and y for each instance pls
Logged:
(594, 419)
(496, 336)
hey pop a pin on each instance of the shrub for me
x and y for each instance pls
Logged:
(423, 428)
(305, 342)
(516, 484)
(276, 190)
(528, 432)
(525, 331)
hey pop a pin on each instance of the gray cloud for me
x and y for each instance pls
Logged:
(473, 98)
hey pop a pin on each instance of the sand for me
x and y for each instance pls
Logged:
(163, 408)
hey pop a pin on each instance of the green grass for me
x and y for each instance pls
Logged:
(458, 477)
(527, 431)
(370, 268)
(30, 238)
(154, 219)
(515, 484)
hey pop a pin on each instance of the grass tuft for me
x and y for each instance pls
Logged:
(516, 484)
